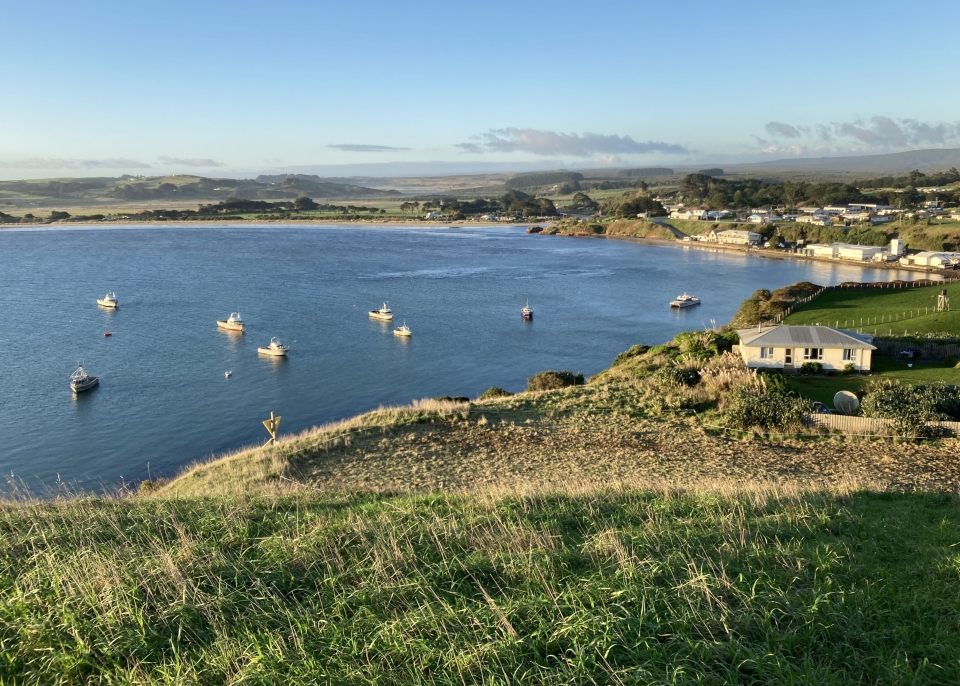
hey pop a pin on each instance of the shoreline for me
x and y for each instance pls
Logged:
(421, 224)
(785, 256)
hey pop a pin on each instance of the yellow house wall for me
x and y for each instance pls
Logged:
(832, 358)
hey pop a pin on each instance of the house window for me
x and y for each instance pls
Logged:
(766, 353)
(848, 354)
(813, 353)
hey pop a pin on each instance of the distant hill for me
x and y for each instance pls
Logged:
(646, 171)
(924, 160)
(538, 179)
(182, 187)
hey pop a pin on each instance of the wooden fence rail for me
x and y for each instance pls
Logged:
(867, 426)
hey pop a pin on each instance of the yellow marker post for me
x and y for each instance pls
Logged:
(272, 425)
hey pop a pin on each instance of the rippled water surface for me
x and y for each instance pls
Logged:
(164, 401)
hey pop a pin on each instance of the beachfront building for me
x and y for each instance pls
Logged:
(737, 237)
(788, 347)
(815, 219)
(860, 253)
(939, 260)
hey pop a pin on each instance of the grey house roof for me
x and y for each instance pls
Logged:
(801, 336)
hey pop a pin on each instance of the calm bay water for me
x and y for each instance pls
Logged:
(163, 398)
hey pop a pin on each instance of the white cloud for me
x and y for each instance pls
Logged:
(59, 163)
(554, 143)
(357, 147)
(778, 129)
(188, 162)
(877, 134)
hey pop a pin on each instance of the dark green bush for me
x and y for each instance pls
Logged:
(768, 407)
(811, 369)
(848, 368)
(494, 392)
(911, 407)
(552, 380)
(672, 375)
(453, 399)
(634, 351)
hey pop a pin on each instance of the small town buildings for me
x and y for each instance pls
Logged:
(737, 237)
(940, 260)
(815, 219)
(789, 347)
(835, 210)
(692, 214)
(859, 253)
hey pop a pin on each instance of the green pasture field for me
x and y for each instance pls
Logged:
(823, 388)
(883, 310)
(616, 587)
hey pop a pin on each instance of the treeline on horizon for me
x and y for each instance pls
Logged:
(713, 192)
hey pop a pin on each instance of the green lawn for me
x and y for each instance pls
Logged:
(882, 310)
(823, 388)
(632, 587)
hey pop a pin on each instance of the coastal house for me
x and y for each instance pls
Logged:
(737, 237)
(692, 214)
(815, 219)
(835, 210)
(759, 219)
(788, 347)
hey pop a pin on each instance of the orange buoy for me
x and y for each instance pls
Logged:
(107, 334)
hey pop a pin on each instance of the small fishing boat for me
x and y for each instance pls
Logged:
(232, 323)
(80, 381)
(109, 300)
(404, 331)
(275, 349)
(384, 314)
(685, 300)
(227, 375)
(107, 334)
(527, 311)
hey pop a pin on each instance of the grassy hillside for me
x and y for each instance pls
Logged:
(602, 533)
(882, 310)
(610, 586)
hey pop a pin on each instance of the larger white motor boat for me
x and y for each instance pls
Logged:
(685, 301)
(232, 323)
(80, 381)
(275, 349)
(109, 300)
(526, 312)
(384, 314)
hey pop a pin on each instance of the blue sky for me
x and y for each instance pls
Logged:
(235, 88)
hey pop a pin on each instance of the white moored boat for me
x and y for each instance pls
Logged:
(232, 323)
(384, 314)
(404, 331)
(275, 349)
(685, 301)
(80, 381)
(109, 300)
(526, 312)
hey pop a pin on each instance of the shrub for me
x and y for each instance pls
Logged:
(811, 369)
(765, 404)
(552, 380)
(634, 351)
(453, 399)
(848, 368)
(911, 407)
(494, 392)
(672, 375)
